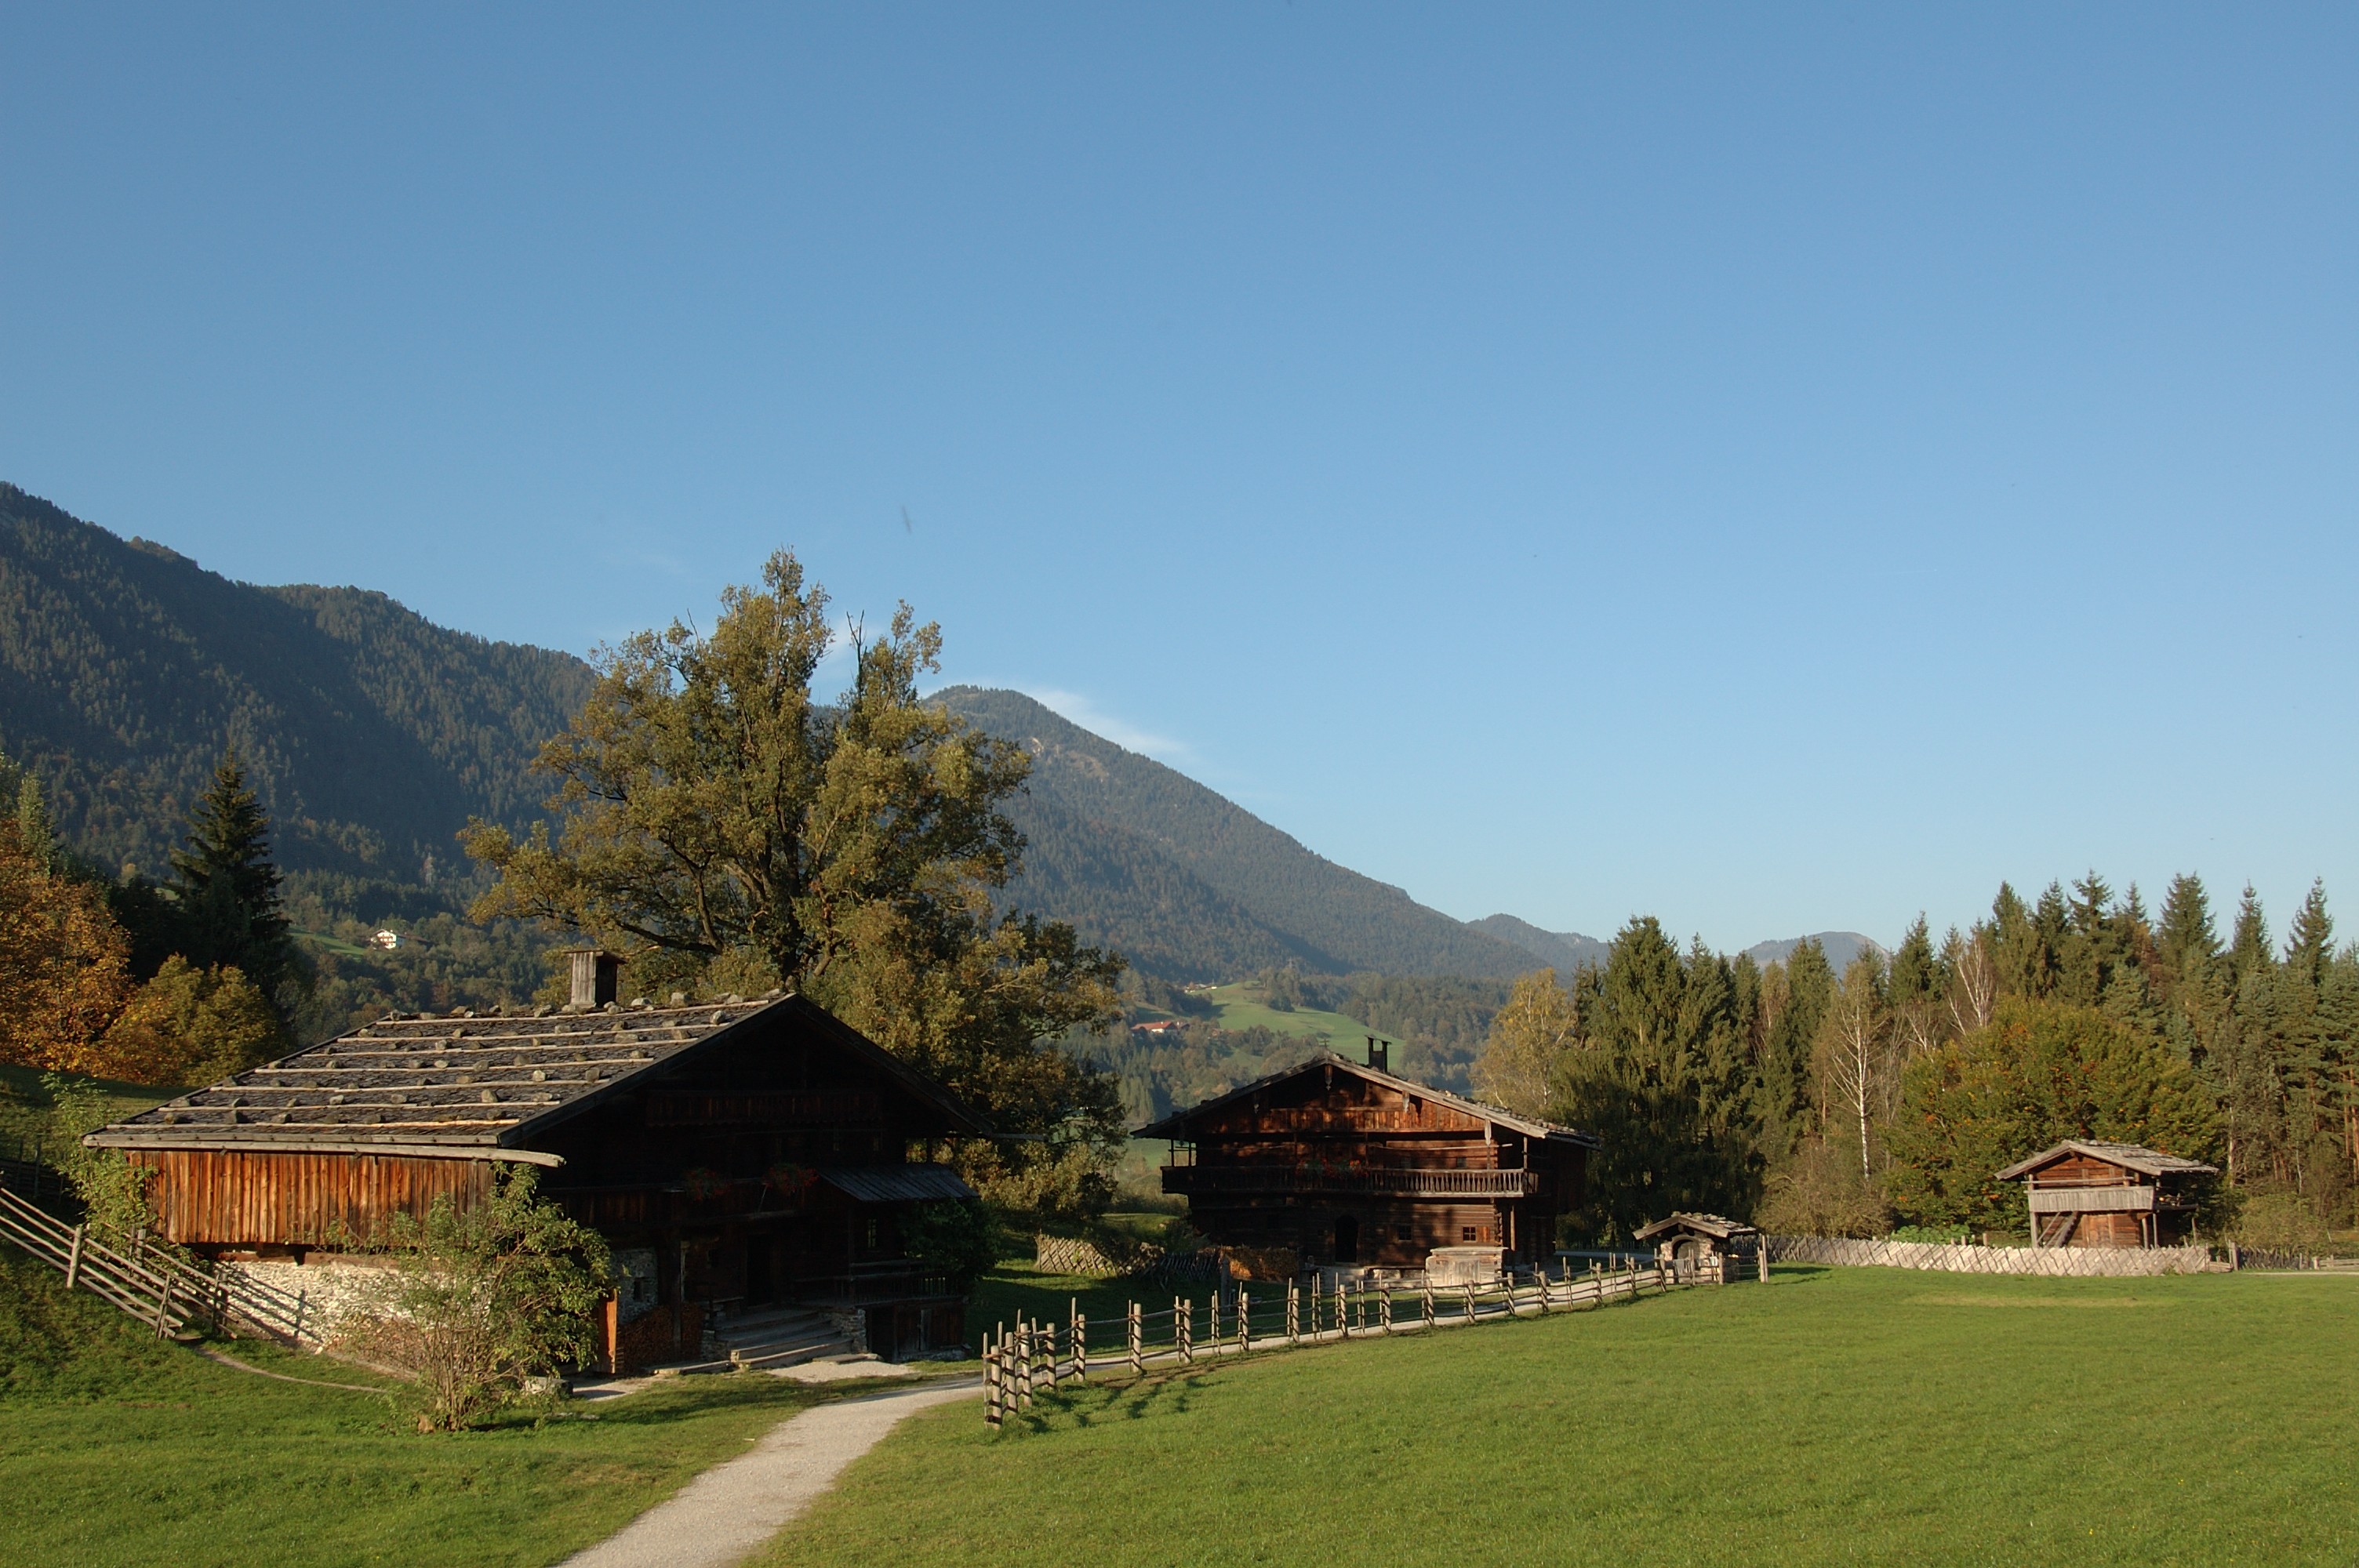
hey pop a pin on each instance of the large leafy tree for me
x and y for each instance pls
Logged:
(2040, 1071)
(734, 832)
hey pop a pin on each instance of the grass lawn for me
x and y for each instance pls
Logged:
(25, 1104)
(1241, 1006)
(118, 1448)
(1016, 1287)
(1855, 1415)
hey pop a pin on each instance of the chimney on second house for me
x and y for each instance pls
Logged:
(597, 977)
(1380, 1055)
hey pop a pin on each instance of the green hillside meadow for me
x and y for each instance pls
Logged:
(1834, 1416)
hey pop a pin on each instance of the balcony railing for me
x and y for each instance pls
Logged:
(1378, 1180)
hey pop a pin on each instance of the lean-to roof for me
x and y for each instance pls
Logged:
(480, 1086)
(1176, 1124)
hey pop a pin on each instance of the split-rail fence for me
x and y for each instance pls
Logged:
(1021, 1360)
(161, 1290)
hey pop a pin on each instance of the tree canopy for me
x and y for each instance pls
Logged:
(729, 830)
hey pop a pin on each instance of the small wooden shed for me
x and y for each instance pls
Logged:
(1689, 1242)
(2086, 1193)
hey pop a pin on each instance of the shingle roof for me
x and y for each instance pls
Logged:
(464, 1082)
(2129, 1156)
(1174, 1124)
(1710, 1223)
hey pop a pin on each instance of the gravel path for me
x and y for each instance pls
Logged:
(726, 1513)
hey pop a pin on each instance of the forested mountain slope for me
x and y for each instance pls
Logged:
(1191, 886)
(370, 733)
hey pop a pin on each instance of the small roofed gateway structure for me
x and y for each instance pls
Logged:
(1706, 1243)
(2085, 1194)
(1339, 1164)
(738, 1155)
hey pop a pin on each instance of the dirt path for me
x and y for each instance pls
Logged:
(225, 1360)
(724, 1514)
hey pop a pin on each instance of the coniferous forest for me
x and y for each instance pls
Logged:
(1887, 1096)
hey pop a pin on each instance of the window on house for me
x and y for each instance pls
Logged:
(1466, 1233)
(872, 1233)
(1400, 1233)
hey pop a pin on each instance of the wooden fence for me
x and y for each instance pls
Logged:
(158, 1288)
(2104, 1262)
(1021, 1360)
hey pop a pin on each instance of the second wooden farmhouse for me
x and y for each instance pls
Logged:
(1342, 1163)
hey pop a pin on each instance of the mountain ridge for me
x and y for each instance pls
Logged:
(1332, 919)
(371, 733)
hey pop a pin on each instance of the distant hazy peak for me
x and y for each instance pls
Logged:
(1841, 948)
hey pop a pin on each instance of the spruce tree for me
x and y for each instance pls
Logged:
(229, 889)
(2187, 943)
(2310, 942)
(2248, 947)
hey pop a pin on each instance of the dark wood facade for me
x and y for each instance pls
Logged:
(1344, 1164)
(2085, 1194)
(736, 1156)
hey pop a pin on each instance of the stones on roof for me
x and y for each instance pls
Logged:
(456, 1078)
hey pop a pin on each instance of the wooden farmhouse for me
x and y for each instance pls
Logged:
(736, 1155)
(1725, 1248)
(2109, 1195)
(1342, 1163)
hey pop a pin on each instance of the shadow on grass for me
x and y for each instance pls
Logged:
(1094, 1404)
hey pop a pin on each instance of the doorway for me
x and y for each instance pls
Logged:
(759, 1287)
(1347, 1240)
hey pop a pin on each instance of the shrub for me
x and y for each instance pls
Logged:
(1818, 1193)
(114, 1192)
(954, 1237)
(486, 1297)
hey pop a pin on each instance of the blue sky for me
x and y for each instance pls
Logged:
(1772, 468)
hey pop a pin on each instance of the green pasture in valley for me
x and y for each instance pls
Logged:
(1240, 1006)
(1859, 1415)
(119, 1448)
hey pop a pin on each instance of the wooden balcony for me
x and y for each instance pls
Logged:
(1380, 1181)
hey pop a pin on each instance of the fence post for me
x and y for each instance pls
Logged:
(1762, 1254)
(990, 1379)
(1081, 1345)
(1470, 1301)
(1215, 1304)
(1385, 1306)
(1293, 1313)
(1245, 1321)
(73, 1259)
(1428, 1293)
(1183, 1331)
(1138, 1349)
